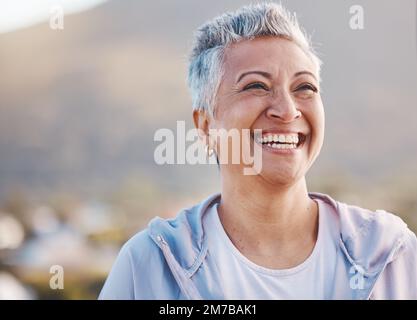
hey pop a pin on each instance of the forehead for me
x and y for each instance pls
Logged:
(272, 54)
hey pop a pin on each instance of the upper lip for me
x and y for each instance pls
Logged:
(278, 131)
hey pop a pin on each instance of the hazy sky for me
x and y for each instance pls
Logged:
(15, 14)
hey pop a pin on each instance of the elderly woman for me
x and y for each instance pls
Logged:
(265, 236)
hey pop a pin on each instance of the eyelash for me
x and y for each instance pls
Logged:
(259, 85)
(256, 85)
(307, 86)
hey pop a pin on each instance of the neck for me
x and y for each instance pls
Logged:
(265, 220)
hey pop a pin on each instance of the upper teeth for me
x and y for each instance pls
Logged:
(281, 138)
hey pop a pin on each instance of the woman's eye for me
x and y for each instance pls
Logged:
(256, 85)
(306, 86)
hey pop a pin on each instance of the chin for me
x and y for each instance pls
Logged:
(277, 176)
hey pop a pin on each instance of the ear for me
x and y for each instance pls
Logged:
(202, 123)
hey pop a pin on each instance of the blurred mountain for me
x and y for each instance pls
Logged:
(79, 107)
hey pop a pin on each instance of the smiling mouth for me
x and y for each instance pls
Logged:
(281, 141)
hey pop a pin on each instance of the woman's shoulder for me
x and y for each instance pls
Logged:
(137, 271)
(139, 244)
(356, 220)
(372, 238)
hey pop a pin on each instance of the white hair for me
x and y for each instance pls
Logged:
(212, 38)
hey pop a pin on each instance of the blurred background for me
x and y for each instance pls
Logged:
(79, 107)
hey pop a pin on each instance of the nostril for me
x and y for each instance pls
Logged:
(284, 115)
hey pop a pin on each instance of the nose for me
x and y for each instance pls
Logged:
(283, 108)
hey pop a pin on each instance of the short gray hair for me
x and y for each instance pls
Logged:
(212, 38)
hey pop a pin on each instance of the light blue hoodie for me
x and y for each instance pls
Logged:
(167, 260)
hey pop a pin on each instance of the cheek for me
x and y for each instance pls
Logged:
(240, 114)
(320, 119)
(314, 113)
(316, 120)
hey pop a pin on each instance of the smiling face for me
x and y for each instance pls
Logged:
(269, 83)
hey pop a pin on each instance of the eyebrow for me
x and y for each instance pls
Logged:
(262, 73)
(269, 76)
(305, 72)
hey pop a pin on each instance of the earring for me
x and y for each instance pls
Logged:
(209, 151)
